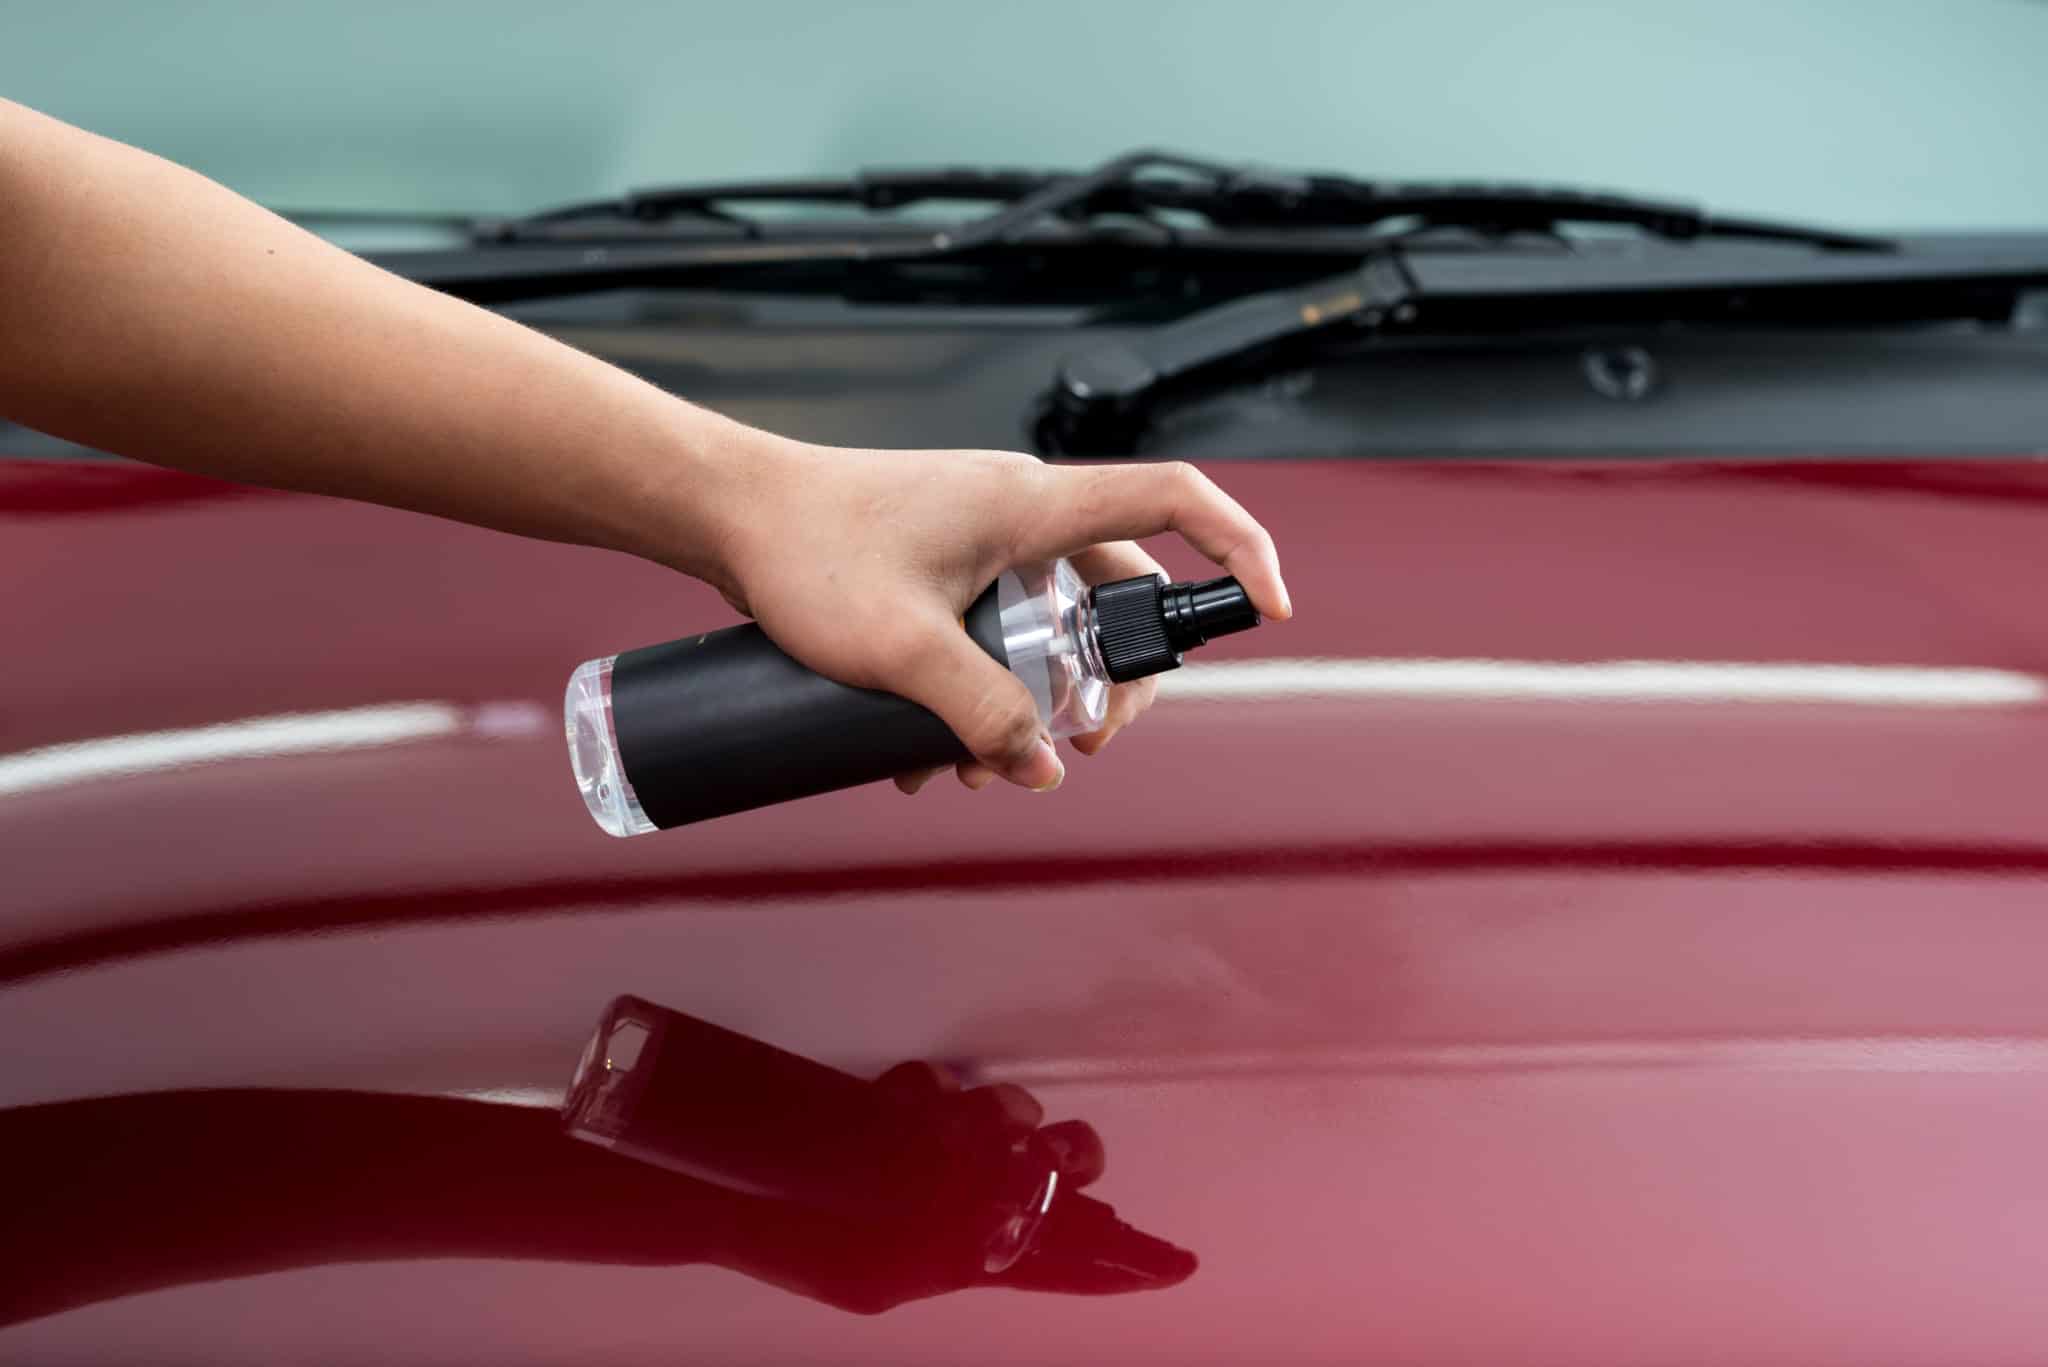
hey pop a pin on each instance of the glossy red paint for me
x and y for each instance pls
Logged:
(1445, 1012)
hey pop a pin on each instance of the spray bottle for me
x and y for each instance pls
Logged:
(689, 1096)
(725, 722)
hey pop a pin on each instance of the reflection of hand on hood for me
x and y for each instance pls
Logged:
(115, 1196)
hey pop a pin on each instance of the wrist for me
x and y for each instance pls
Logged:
(704, 491)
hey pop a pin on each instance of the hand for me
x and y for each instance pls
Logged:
(867, 1268)
(859, 563)
(1083, 1249)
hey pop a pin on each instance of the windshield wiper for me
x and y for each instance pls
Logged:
(377, 218)
(1116, 233)
(1103, 400)
(1145, 184)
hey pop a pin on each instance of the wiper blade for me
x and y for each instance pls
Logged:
(1109, 227)
(1148, 183)
(378, 218)
(1237, 197)
(1103, 400)
(875, 191)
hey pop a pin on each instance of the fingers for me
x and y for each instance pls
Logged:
(1097, 564)
(1001, 1105)
(908, 784)
(1127, 702)
(1101, 565)
(973, 775)
(1015, 1107)
(993, 1109)
(987, 707)
(1126, 502)
(1114, 560)
(917, 1080)
(1080, 1149)
(998, 1109)
(1085, 1250)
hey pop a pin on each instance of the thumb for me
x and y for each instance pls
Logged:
(987, 706)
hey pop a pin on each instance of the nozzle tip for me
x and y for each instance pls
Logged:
(1200, 612)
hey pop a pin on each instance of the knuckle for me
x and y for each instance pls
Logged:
(1017, 732)
(1005, 461)
(1004, 728)
(1092, 499)
(1183, 478)
(1011, 474)
(1024, 468)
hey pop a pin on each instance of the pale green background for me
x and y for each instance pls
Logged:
(1866, 113)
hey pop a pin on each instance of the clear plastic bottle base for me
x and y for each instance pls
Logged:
(1049, 640)
(594, 751)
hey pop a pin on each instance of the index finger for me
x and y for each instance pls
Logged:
(1126, 502)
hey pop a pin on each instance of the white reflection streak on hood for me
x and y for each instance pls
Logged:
(1860, 1054)
(290, 733)
(1650, 681)
(1865, 1054)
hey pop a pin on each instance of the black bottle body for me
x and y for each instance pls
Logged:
(725, 722)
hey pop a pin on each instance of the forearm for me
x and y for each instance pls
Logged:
(146, 311)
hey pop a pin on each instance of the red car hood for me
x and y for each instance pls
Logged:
(1604, 925)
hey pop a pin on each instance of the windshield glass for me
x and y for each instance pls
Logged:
(1862, 115)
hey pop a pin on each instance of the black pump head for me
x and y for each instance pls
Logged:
(1198, 613)
(1142, 625)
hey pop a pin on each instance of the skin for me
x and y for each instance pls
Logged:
(146, 311)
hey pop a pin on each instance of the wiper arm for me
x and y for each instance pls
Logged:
(1145, 183)
(1103, 400)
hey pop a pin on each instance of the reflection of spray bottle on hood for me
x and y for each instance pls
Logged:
(686, 1095)
(725, 721)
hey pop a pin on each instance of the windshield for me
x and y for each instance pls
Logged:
(1859, 115)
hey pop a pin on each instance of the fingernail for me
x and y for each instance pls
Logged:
(1048, 756)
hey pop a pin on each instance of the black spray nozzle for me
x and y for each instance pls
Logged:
(1199, 613)
(1143, 625)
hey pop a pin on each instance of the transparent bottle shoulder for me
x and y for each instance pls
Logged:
(1049, 643)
